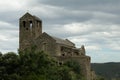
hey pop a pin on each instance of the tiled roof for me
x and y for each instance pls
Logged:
(58, 40)
(62, 41)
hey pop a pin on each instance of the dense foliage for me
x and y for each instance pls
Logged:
(31, 65)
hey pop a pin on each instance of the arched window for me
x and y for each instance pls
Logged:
(24, 24)
(44, 46)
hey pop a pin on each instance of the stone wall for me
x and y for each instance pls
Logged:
(93, 75)
(46, 43)
(30, 28)
(84, 61)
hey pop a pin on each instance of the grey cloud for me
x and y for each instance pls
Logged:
(8, 45)
(85, 10)
(101, 15)
(82, 4)
(11, 17)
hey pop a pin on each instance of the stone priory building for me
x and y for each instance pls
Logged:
(31, 33)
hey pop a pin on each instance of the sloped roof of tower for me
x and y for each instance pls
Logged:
(27, 15)
(37, 18)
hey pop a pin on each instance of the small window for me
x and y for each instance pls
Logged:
(26, 28)
(44, 46)
(61, 48)
(63, 54)
(31, 25)
(24, 24)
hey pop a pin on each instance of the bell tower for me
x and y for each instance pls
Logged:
(30, 28)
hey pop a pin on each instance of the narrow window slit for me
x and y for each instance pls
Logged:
(31, 25)
(24, 24)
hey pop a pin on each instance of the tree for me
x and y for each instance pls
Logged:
(9, 64)
(75, 68)
(74, 65)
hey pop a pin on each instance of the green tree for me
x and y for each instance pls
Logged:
(74, 65)
(9, 64)
(75, 68)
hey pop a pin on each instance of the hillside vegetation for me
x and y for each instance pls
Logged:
(109, 70)
(31, 65)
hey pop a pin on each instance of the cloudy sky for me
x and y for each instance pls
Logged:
(93, 23)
